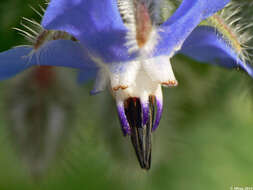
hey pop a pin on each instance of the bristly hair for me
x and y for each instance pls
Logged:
(235, 26)
(36, 35)
(31, 29)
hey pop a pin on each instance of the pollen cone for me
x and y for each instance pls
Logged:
(141, 130)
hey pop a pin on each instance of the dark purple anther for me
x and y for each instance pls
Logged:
(158, 115)
(123, 120)
(145, 112)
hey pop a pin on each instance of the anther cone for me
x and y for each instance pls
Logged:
(140, 118)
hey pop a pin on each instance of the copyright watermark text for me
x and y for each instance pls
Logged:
(241, 187)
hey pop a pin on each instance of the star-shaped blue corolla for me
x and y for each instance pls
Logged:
(121, 45)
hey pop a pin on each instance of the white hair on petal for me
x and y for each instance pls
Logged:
(234, 26)
(126, 9)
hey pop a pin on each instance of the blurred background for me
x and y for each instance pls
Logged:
(203, 142)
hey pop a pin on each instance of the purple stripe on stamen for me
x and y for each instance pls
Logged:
(123, 120)
(159, 110)
(145, 112)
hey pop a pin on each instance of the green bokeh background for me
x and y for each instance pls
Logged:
(204, 140)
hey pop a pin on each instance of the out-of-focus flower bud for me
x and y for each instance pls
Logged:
(40, 112)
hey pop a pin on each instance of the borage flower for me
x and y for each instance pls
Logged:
(124, 46)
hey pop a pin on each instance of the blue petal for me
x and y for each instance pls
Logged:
(12, 62)
(64, 53)
(179, 26)
(90, 15)
(97, 24)
(206, 45)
